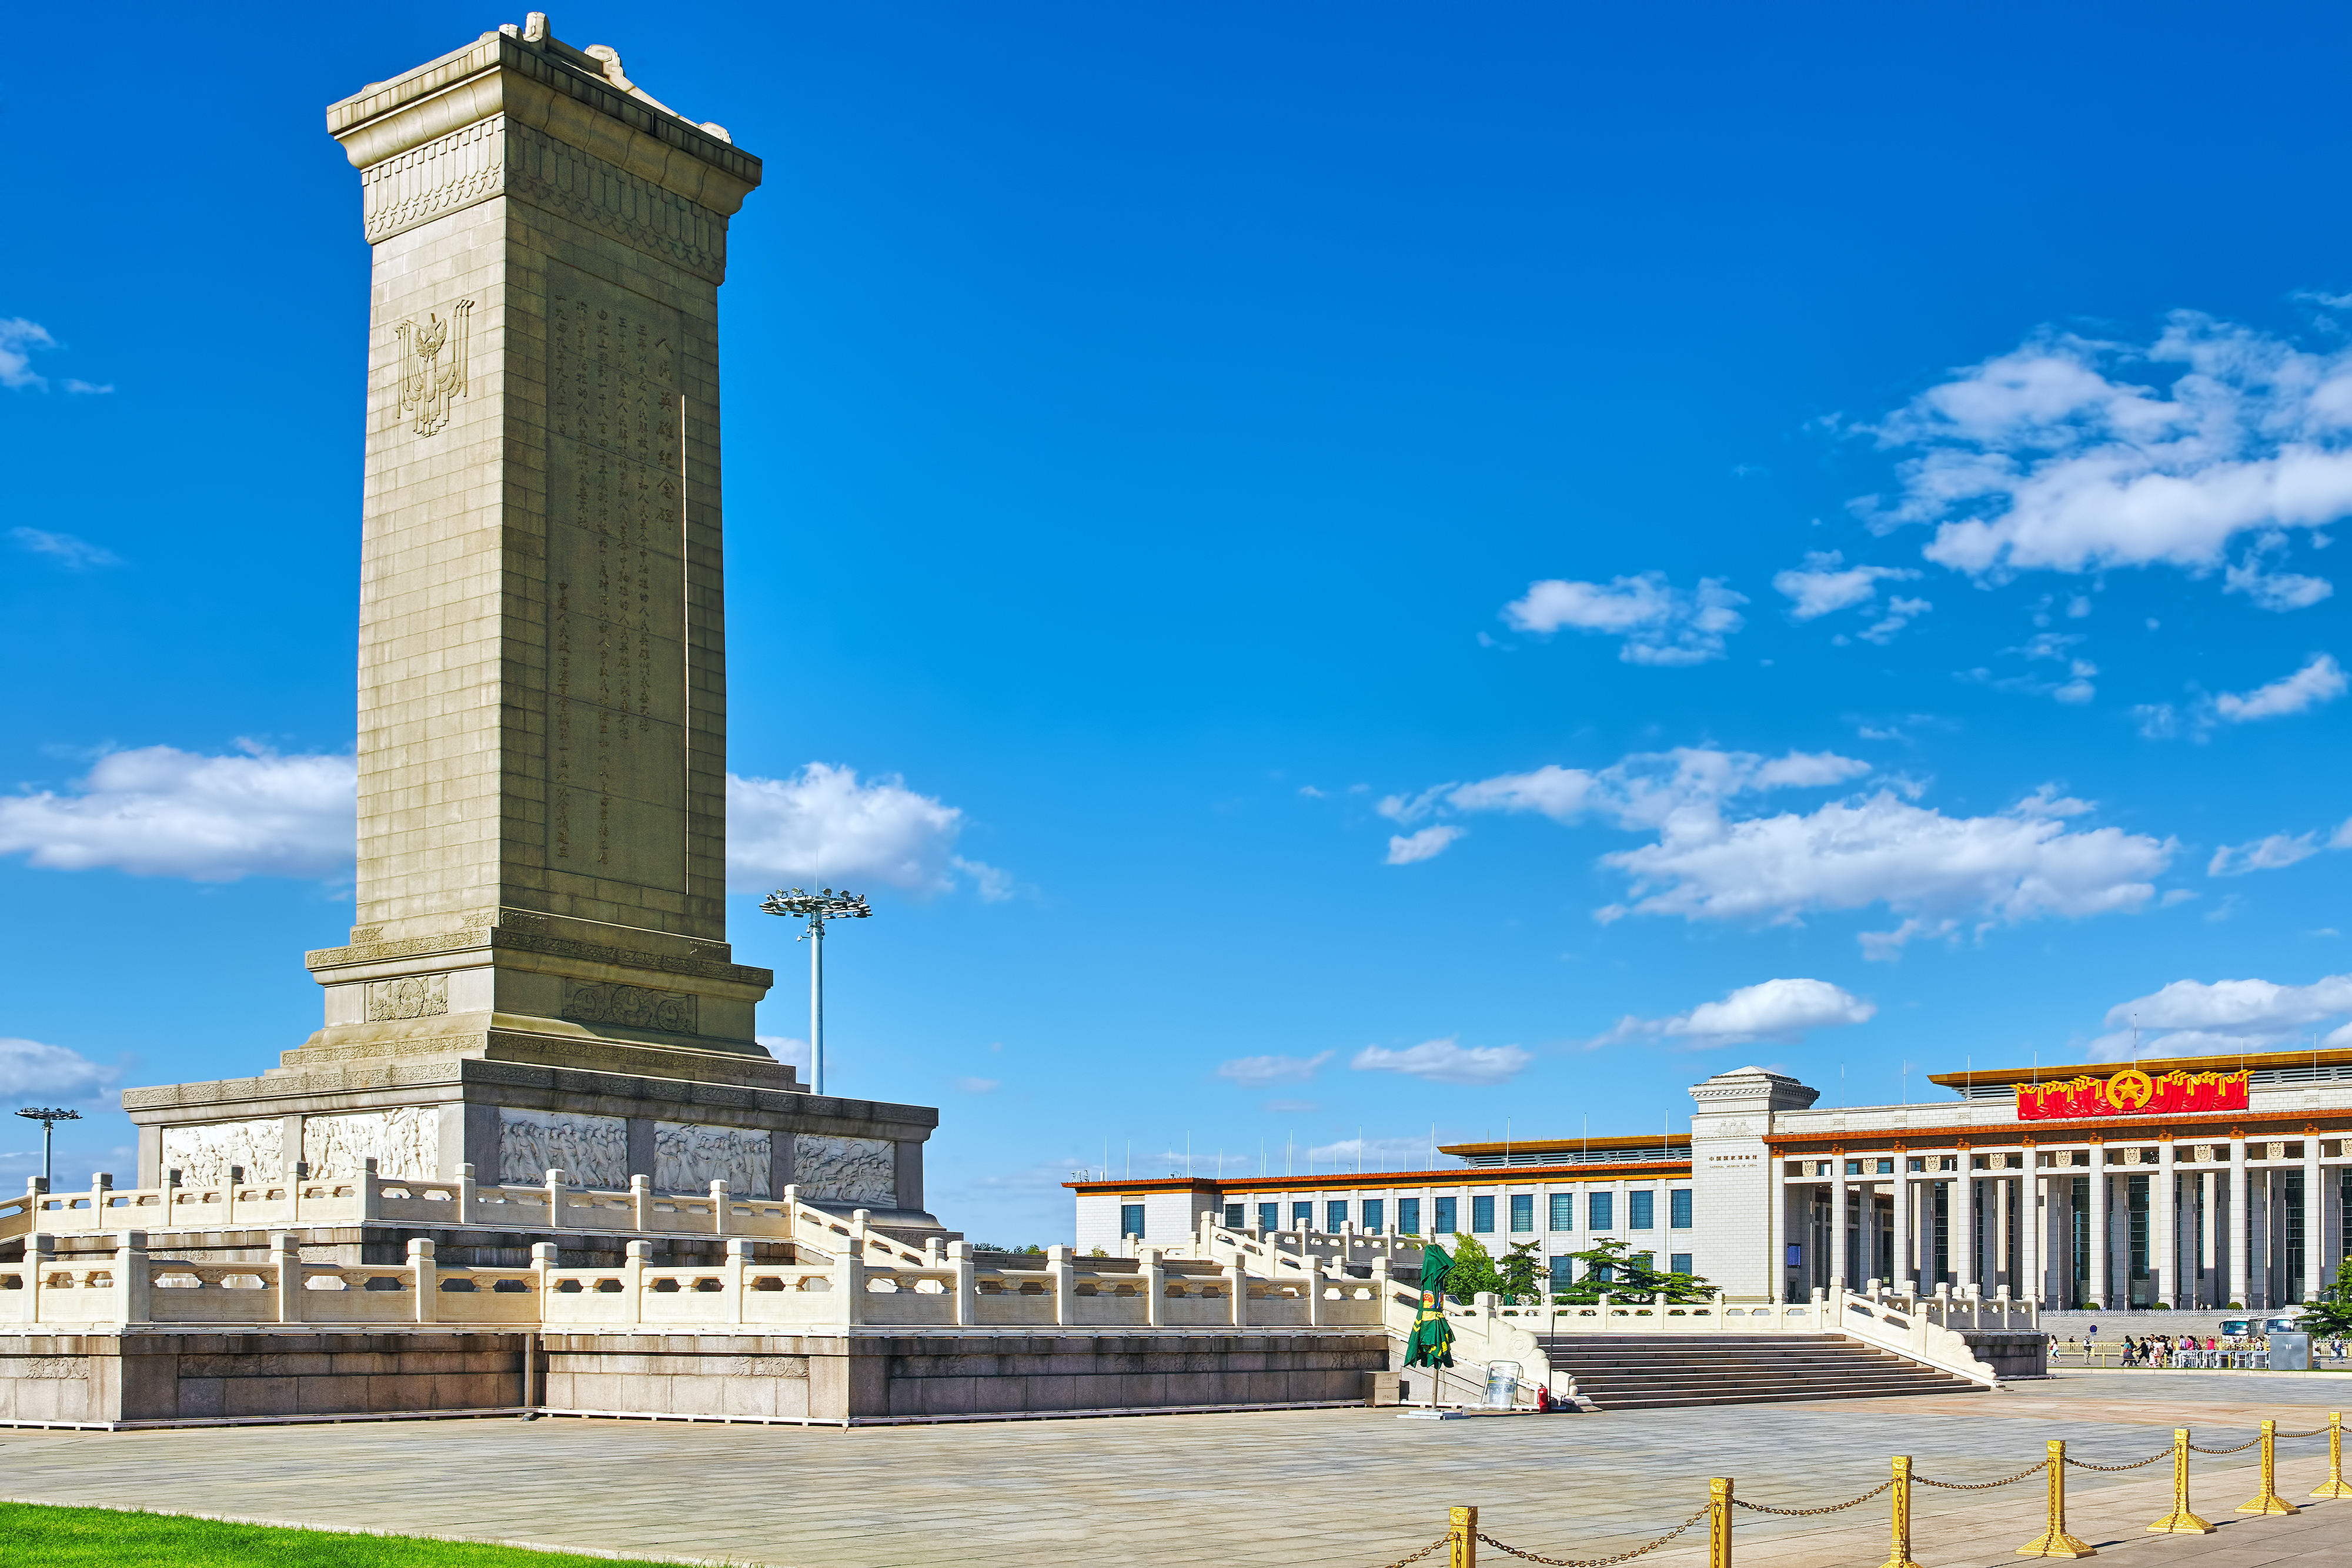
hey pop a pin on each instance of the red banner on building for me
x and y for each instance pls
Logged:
(2132, 1092)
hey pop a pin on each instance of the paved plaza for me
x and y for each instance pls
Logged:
(1350, 1488)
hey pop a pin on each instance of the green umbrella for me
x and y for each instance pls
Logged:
(1432, 1343)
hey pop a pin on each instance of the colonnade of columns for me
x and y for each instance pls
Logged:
(2012, 1220)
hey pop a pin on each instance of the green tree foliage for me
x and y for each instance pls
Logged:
(2332, 1312)
(1473, 1270)
(1522, 1271)
(1613, 1269)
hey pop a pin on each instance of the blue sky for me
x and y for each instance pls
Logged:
(1334, 569)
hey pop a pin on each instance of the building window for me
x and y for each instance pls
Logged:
(1482, 1215)
(1523, 1213)
(1269, 1216)
(1375, 1211)
(1335, 1214)
(1600, 1272)
(1130, 1219)
(1302, 1217)
(1679, 1262)
(1678, 1208)
(1445, 1225)
(1601, 1210)
(1409, 1215)
(1563, 1273)
(1234, 1220)
(1563, 1211)
(1641, 1210)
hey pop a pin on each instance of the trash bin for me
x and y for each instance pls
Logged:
(1502, 1385)
(2290, 1352)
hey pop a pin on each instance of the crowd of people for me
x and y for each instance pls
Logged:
(2185, 1350)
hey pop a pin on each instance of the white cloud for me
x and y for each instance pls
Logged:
(1263, 1072)
(87, 389)
(1446, 1062)
(1773, 1009)
(1406, 848)
(30, 1070)
(790, 1049)
(1661, 623)
(1900, 613)
(2279, 590)
(1826, 583)
(160, 811)
(73, 554)
(2319, 681)
(994, 885)
(978, 1085)
(2050, 458)
(1640, 791)
(2191, 1017)
(824, 825)
(19, 339)
(2263, 854)
(1369, 1153)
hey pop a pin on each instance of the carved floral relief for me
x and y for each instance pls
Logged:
(632, 1007)
(410, 997)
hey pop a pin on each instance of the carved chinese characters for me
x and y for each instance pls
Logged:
(616, 585)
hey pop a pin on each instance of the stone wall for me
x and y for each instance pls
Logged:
(209, 1378)
(2009, 1352)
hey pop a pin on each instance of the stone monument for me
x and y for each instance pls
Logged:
(538, 975)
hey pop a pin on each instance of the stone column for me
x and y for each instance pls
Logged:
(1776, 1223)
(2315, 1215)
(1964, 1247)
(1837, 1220)
(2099, 1256)
(2002, 1220)
(2165, 1225)
(2235, 1205)
(1905, 1275)
(2032, 1248)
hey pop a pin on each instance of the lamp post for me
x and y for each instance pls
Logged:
(48, 1119)
(817, 907)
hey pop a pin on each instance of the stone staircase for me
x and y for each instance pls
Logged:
(1653, 1371)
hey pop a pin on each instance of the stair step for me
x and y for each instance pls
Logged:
(1652, 1371)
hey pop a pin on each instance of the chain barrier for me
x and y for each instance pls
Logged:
(2239, 1449)
(2160, 1454)
(1440, 1540)
(2315, 1432)
(1809, 1512)
(2032, 1470)
(1598, 1561)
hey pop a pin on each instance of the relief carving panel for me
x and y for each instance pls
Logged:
(632, 1007)
(845, 1170)
(410, 997)
(689, 1156)
(404, 1141)
(591, 1151)
(203, 1155)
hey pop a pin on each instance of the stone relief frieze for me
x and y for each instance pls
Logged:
(632, 1007)
(689, 1156)
(404, 1141)
(204, 1153)
(428, 382)
(591, 1151)
(845, 1170)
(410, 997)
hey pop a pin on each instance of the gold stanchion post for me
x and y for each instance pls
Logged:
(2180, 1521)
(1461, 1523)
(2269, 1501)
(1718, 1523)
(1899, 1555)
(2333, 1486)
(2054, 1542)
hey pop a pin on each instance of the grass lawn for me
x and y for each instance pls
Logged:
(32, 1535)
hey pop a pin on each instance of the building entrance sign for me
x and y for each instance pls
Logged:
(2133, 1093)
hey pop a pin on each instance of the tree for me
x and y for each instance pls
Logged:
(1472, 1271)
(1522, 1272)
(2331, 1314)
(1613, 1269)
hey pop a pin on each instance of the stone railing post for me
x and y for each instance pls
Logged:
(102, 1184)
(425, 1275)
(739, 1266)
(469, 1206)
(641, 1203)
(170, 1198)
(849, 1273)
(1315, 1292)
(967, 1283)
(286, 1256)
(371, 1195)
(1154, 1280)
(228, 1205)
(632, 1280)
(131, 1274)
(543, 1262)
(1381, 1279)
(1065, 1284)
(719, 1207)
(555, 1200)
(40, 1255)
(1237, 1279)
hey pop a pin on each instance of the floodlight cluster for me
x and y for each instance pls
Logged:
(823, 904)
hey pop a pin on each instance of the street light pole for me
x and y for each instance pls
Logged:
(49, 1118)
(817, 908)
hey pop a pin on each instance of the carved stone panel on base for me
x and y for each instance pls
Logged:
(404, 1141)
(689, 1156)
(204, 1153)
(591, 1151)
(847, 1170)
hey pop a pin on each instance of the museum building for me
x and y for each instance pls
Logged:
(2189, 1182)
